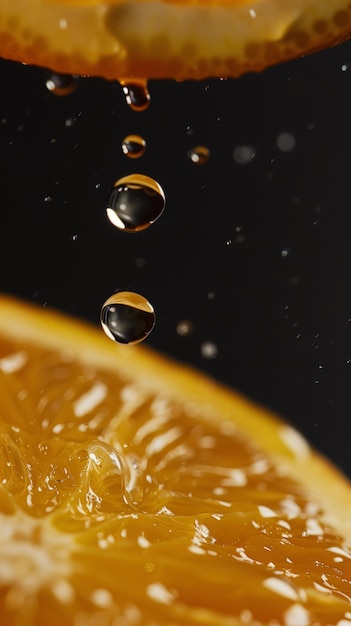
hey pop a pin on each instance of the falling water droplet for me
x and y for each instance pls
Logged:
(136, 202)
(61, 84)
(199, 155)
(133, 146)
(127, 317)
(136, 93)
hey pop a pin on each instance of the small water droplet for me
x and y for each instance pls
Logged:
(209, 350)
(61, 84)
(133, 146)
(184, 328)
(286, 142)
(136, 93)
(127, 317)
(199, 155)
(136, 202)
(285, 252)
(140, 261)
(133, 481)
(244, 154)
(70, 121)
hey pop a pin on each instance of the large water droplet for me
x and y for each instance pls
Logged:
(133, 146)
(199, 155)
(136, 202)
(136, 93)
(127, 317)
(61, 84)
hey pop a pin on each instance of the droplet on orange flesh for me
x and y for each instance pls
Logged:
(174, 39)
(135, 491)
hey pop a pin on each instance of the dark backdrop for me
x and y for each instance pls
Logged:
(255, 256)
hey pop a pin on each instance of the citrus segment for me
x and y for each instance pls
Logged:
(176, 39)
(135, 491)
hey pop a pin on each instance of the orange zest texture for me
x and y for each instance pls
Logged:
(134, 491)
(176, 39)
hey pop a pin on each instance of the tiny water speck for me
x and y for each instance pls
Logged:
(136, 93)
(199, 155)
(136, 202)
(61, 84)
(127, 317)
(133, 146)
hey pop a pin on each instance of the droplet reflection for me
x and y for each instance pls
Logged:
(133, 146)
(136, 93)
(127, 317)
(136, 202)
(199, 155)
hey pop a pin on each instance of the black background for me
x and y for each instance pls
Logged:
(281, 324)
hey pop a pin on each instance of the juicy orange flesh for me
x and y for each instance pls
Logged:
(134, 507)
(162, 39)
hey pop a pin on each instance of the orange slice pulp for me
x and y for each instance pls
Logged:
(134, 491)
(159, 38)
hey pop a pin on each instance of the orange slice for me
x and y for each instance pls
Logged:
(134, 491)
(176, 38)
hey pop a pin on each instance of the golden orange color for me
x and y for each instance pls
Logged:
(182, 39)
(134, 491)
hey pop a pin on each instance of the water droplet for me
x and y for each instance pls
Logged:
(136, 202)
(285, 252)
(127, 317)
(136, 93)
(70, 121)
(61, 84)
(199, 155)
(184, 328)
(209, 350)
(244, 154)
(133, 480)
(286, 142)
(133, 146)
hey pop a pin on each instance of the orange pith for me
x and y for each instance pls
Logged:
(174, 39)
(133, 491)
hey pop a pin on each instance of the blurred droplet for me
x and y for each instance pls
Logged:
(127, 317)
(133, 146)
(209, 350)
(244, 154)
(286, 142)
(61, 84)
(136, 93)
(199, 155)
(140, 261)
(285, 252)
(136, 202)
(70, 121)
(184, 328)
